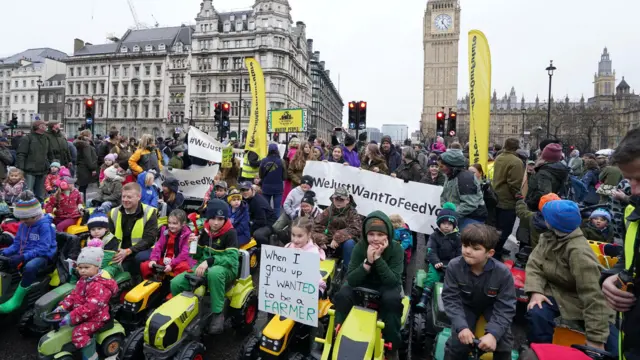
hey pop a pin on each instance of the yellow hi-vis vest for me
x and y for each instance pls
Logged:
(629, 248)
(138, 228)
(249, 172)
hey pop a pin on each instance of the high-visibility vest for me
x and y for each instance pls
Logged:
(249, 172)
(629, 245)
(138, 228)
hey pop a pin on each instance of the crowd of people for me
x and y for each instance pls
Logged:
(273, 202)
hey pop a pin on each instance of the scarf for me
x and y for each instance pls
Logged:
(223, 230)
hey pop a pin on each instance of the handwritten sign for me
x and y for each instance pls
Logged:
(227, 157)
(289, 284)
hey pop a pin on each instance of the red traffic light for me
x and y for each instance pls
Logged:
(89, 102)
(440, 115)
(352, 105)
(216, 105)
(363, 104)
(225, 106)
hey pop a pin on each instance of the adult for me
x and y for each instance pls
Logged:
(590, 180)
(58, 144)
(147, 157)
(374, 161)
(297, 164)
(261, 215)
(135, 225)
(6, 158)
(87, 164)
(74, 157)
(349, 151)
(462, 189)
(423, 157)
(433, 176)
(230, 175)
(176, 161)
(33, 158)
(272, 175)
(294, 144)
(410, 169)
(609, 178)
(507, 179)
(393, 159)
(107, 147)
(250, 166)
(550, 177)
(15, 139)
(576, 163)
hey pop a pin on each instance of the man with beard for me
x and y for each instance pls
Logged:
(58, 144)
(393, 158)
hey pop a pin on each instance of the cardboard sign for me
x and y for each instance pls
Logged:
(289, 284)
(227, 158)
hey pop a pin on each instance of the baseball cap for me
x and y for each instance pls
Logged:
(245, 185)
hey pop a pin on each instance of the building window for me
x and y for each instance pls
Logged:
(227, 27)
(158, 70)
(124, 49)
(51, 98)
(277, 85)
(43, 98)
(279, 61)
(247, 87)
(147, 70)
(115, 89)
(226, 44)
(157, 85)
(100, 109)
(134, 111)
(162, 47)
(148, 48)
(125, 89)
(101, 88)
(238, 44)
(136, 89)
(103, 70)
(279, 41)
(125, 71)
(224, 63)
(15, 99)
(86, 89)
(71, 72)
(146, 111)
(94, 88)
(251, 43)
(59, 98)
(116, 71)
(223, 85)
(125, 110)
(237, 63)
(263, 61)
(136, 70)
(146, 89)
(235, 85)
(114, 110)
(156, 110)
(76, 111)
(136, 48)
(95, 71)
(24, 99)
(86, 71)
(234, 108)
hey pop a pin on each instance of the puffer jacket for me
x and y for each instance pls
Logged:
(150, 194)
(89, 300)
(180, 246)
(111, 188)
(65, 206)
(548, 178)
(338, 224)
(240, 221)
(567, 269)
(10, 192)
(441, 247)
(143, 160)
(463, 190)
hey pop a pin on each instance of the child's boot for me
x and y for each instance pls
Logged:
(217, 324)
(16, 300)
(424, 300)
(89, 351)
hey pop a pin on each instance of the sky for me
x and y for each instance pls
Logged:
(374, 48)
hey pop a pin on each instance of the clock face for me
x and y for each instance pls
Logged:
(443, 22)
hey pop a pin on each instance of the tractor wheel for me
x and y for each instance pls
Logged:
(111, 345)
(420, 338)
(251, 350)
(192, 351)
(133, 345)
(244, 319)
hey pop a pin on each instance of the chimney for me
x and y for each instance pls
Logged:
(322, 64)
(301, 25)
(316, 55)
(310, 45)
(328, 72)
(77, 45)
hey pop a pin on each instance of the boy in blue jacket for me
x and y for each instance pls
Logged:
(33, 248)
(149, 190)
(239, 216)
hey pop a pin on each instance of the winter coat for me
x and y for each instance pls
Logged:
(110, 190)
(404, 237)
(128, 221)
(590, 180)
(441, 248)
(177, 202)
(230, 175)
(105, 149)
(180, 247)
(610, 177)
(351, 157)
(89, 300)
(617, 210)
(313, 215)
(260, 212)
(240, 221)
(507, 179)
(594, 234)
(176, 162)
(6, 160)
(294, 173)
(549, 178)
(292, 202)
(33, 155)
(567, 269)
(221, 248)
(393, 159)
(37, 240)
(312, 248)
(50, 182)
(149, 193)
(386, 271)
(370, 164)
(439, 147)
(87, 162)
(272, 174)
(409, 171)
(64, 206)
(438, 181)
(463, 190)
(143, 160)
(576, 165)
(59, 147)
(337, 224)
(10, 192)
(531, 220)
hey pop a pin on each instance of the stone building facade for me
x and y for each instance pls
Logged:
(327, 104)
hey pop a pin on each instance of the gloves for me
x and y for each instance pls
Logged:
(66, 320)
(58, 309)
(16, 260)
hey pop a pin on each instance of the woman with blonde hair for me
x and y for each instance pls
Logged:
(146, 157)
(373, 160)
(294, 144)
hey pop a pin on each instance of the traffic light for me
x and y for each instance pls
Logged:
(440, 123)
(217, 115)
(88, 113)
(453, 116)
(276, 137)
(226, 124)
(353, 115)
(362, 115)
(14, 121)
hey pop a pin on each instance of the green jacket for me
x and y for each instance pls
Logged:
(591, 233)
(529, 219)
(34, 154)
(59, 147)
(176, 162)
(611, 176)
(567, 269)
(465, 192)
(386, 271)
(508, 171)
(222, 251)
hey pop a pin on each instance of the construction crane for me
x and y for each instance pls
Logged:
(138, 24)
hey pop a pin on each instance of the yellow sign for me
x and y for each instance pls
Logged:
(227, 157)
(288, 120)
(480, 97)
(257, 132)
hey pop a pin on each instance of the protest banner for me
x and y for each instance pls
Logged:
(227, 158)
(417, 203)
(287, 121)
(289, 280)
(203, 146)
(193, 183)
(256, 136)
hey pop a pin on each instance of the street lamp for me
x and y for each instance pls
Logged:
(550, 69)
(39, 82)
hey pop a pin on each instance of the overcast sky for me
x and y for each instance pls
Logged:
(376, 46)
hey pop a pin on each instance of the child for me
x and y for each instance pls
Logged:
(336, 155)
(65, 204)
(308, 207)
(217, 259)
(109, 160)
(110, 190)
(88, 303)
(172, 248)
(176, 161)
(301, 230)
(33, 248)
(533, 221)
(402, 235)
(170, 195)
(477, 284)
(149, 191)
(52, 177)
(98, 225)
(239, 216)
(292, 202)
(13, 185)
(598, 227)
(218, 190)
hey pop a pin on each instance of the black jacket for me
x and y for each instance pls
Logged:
(549, 178)
(260, 213)
(442, 248)
(87, 162)
(149, 234)
(393, 158)
(59, 147)
(438, 181)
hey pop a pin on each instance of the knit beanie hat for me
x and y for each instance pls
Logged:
(112, 157)
(546, 198)
(552, 153)
(601, 213)
(448, 213)
(562, 215)
(385, 139)
(433, 162)
(27, 206)
(217, 208)
(307, 179)
(55, 164)
(309, 198)
(376, 224)
(454, 158)
(98, 219)
(91, 255)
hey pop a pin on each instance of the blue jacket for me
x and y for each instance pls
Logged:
(240, 221)
(590, 179)
(149, 193)
(38, 240)
(272, 175)
(404, 237)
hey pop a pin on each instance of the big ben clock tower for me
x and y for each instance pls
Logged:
(441, 38)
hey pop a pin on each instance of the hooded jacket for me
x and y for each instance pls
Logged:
(89, 300)
(272, 173)
(549, 178)
(292, 202)
(240, 220)
(111, 188)
(566, 268)
(143, 160)
(180, 247)
(594, 234)
(149, 193)
(387, 270)
(87, 161)
(507, 179)
(464, 190)
(441, 247)
(37, 240)
(347, 222)
(220, 249)
(10, 192)
(65, 206)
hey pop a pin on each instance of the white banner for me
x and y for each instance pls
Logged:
(289, 280)
(203, 146)
(193, 183)
(417, 203)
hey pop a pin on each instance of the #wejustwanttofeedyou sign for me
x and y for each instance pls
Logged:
(287, 120)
